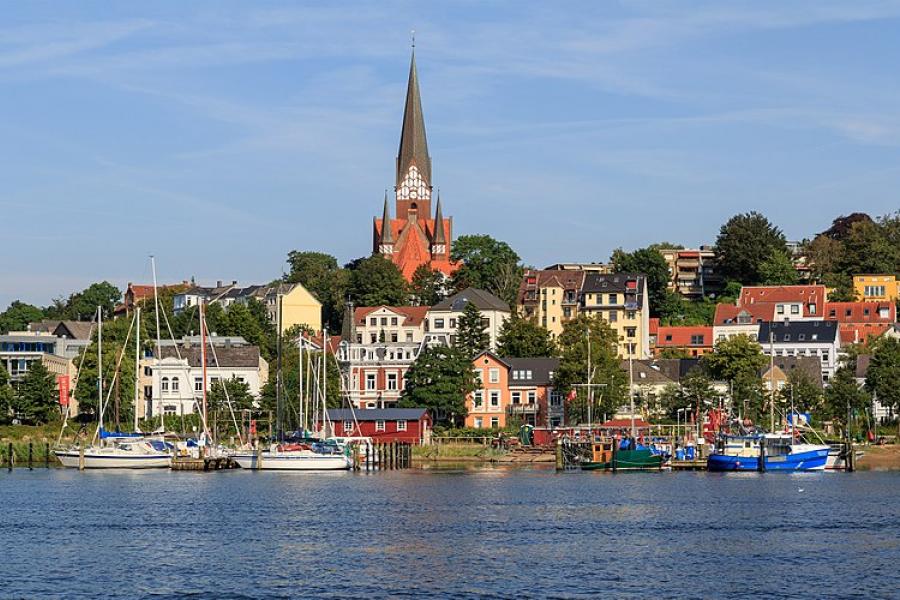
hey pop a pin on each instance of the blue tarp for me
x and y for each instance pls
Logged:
(118, 434)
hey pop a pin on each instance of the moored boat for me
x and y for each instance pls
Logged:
(292, 457)
(611, 455)
(119, 453)
(766, 452)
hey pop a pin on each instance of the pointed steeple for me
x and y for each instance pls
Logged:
(439, 237)
(387, 236)
(413, 145)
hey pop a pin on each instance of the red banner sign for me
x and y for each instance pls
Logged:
(63, 382)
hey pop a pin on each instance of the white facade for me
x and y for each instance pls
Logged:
(390, 325)
(445, 323)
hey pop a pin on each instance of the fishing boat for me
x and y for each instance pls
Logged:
(624, 455)
(766, 452)
(293, 457)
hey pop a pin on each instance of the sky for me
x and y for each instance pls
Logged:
(219, 136)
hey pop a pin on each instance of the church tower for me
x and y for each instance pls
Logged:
(413, 237)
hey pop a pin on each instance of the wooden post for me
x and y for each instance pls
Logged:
(560, 462)
(851, 457)
(9, 456)
(761, 461)
(368, 456)
(46, 454)
(30, 455)
(258, 456)
(81, 455)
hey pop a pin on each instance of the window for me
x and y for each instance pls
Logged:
(495, 398)
(494, 375)
(394, 336)
(438, 323)
(721, 337)
(613, 298)
(478, 398)
(668, 337)
(787, 337)
(198, 384)
(175, 384)
(401, 425)
(384, 321)
(479, 376)
(630, 331)
(831, 313)
(409, 336)
(379, 425)
(392, 381)
(495, 422)
(479, 423)
(630, 315)
(359, 338)
(795, 309)
(811, 307)
(697, 340)
(371, 405)
(373, 337)
(394, 321)
(532, 397)
(370, 381)
(613, 316)
(452, 323)
(373, 321)
(780, 309)
(516, 397)
(164, 385)
(348, 426)
(801, 337)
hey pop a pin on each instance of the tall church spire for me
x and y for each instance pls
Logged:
(387, 236)
(413, 145)
(439, 237)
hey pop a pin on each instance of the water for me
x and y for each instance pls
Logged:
(465, 533)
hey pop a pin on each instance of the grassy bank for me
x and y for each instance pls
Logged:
(879, 458)
(458, 452)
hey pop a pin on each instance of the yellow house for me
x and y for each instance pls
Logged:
(876, 287)
(550, 297)
(298, 306)
(621, 300)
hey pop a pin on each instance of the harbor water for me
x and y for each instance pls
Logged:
(455, 533)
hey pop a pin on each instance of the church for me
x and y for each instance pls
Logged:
(415, 236)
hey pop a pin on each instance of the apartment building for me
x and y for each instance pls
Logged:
(443, 318)
(876, 287)
(803, 338)
(551, 296)
(621, 300)
(693, 272)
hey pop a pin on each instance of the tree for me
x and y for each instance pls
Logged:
(778, 269)
(439, 380)
(605, 367)
(232, 390)
(867, 249)
(376, 281)
(803, 391)
(427, 286)
(7, 396)
(82, 305)
(651, 263)
(744, 243)
(738, 360)
(824, 254)
(487, 264)
(37, 400)
(471, 335)
(677, 310)
(17, 317)
(695, 389)
(883, 374)
(524, 338)
(321, 275)
(844, 395)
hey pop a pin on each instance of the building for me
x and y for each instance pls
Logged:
(803, 338)
(487, 406)
(650, 378)
(690, 339)
(621, 300)
(870, 288)
(176, 379)
(413, 238)
(298, 305)
(693, 271)
(790, 302)
(443, 317)
(593, 267)
(409, 425)
(139, 293)
(731, 320)
(779, 372)
(551, 297)
(860, 322)
(883, 413)
(390, 324)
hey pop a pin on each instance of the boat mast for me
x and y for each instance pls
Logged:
(279, 409)
(631, 384)
(772, 379)
(156, 363)
(590, 389)
(100, 364)
(137, 365)
(203, 365)
(300, 384)
(324, 383)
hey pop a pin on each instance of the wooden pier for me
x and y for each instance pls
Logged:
(698, 464)
(207, 463)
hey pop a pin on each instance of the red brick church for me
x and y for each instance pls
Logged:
(414, 237)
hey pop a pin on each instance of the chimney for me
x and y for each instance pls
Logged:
(234, 282)
(219, 283)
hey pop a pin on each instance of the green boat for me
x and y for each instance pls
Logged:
(607, 456)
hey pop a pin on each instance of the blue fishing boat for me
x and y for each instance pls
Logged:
(766, 452)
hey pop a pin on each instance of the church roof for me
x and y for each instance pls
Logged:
(413, 145)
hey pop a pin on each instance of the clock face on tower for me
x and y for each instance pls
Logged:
(413, 186)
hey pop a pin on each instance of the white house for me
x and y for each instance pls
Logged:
(803, 338)
(443, 318)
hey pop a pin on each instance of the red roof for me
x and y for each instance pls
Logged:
(334, 342)
(727, 314)
(854, 333)
(860, 312)
(806, 294)
(654, 325)
(412, 247)
(414, 314)
(677, 337)
(625, 423)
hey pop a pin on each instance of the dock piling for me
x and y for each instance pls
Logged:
(46, 454)
(30, 456)
(9, 456)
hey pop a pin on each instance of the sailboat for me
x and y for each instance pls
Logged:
(114, 450)
(294, 456)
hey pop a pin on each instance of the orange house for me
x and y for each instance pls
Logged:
(487, 405)
(695, 340)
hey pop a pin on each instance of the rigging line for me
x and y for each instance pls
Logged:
(75, 383)
(184, 369)
(224, 387)
(112, 383)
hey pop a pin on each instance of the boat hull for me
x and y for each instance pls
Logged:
(627, 460)
(72, 460)
(812, 460)
(292, 462)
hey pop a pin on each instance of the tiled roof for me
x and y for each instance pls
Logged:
(860, 312)
(414, 315)
(727, 314)
(534, 371)
(807, 294)
(854, 333)
(798, 332)
(811, 365)
(483, 300)
(616, 282)
(377, 414)
(681, 336)
(564, 278)
(412, 247)
(230, 357)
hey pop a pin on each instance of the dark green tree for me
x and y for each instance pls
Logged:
(82, 306)
(807, 394)
(738, 360)
(487, 264)
(744, 244)
(17, 317)
(844, 395)
(651, 263)
(883, 374)
(325, 279)
(677, 310)
(472, 337)
(868, 249)
(524, 338)
(427, 286)
(778, 269)
(7, 396)
(376, 281)
(37, 400)
(605, 367)
(439, 380)
(695, 390)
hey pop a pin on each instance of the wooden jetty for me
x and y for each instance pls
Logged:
(698, 464)
(206, 463)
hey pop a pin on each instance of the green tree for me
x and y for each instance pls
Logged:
(118, 388)
(677, 310)
(427, 286)
(232, 390)
(7, 396)
(38, 399)
(376, 281)
(487, 264)
(524, 338)
(868, 249)
(651, 263)
(439, 380)
(778, 269)
(605, 367)
(695, 390)
(321, 275)
(824, 254)
(744, 244)
(883, 374)
(17, 317)
(81, 306)
(844, 394)
(472, 337)
(807, 394)
(738, 360)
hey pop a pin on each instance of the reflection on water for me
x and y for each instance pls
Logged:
(448, 530)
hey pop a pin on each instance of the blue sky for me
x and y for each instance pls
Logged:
(220, 135)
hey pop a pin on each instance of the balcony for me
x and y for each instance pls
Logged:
(523, 409)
